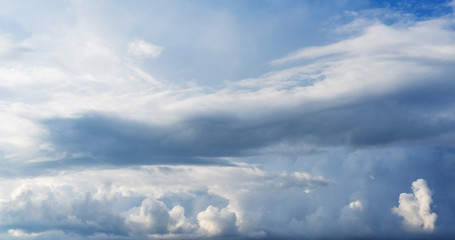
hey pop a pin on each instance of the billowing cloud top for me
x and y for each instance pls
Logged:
(415, 207)
(227, 120)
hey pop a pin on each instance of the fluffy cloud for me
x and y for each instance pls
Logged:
(153, 217)
(34, 208)
(106, 201)
(217, 222)
(415, 207)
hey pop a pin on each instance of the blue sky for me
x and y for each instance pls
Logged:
(227, 119)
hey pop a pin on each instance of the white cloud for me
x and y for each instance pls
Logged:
(356, 205)
(84, 202)
(390, 42)
(21, 233)
(415, 208)
(217, 222)
(179, 223)
(153, 217)
(142, 48)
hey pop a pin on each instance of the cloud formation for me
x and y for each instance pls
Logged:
(217, 222)
(390, 42)
(141, 48)
(98, 142)
(356, 205)
(145, 202)
(356, 82)
(415, 208)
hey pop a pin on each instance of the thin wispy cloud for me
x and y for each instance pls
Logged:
(141, 48)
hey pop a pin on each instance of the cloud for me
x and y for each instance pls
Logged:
(153, 217)
(95, 146)
(356, 205)
(10, 49)
(209, 139)
(140, 48)
(21, 233)
(91, 202)
(35, 209)
(353, 221)
(390, 42)
(415, 208)
(82, 83)
(217, 222)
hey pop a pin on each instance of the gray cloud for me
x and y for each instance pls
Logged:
(98, 139)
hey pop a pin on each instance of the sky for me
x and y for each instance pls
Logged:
(227, 119)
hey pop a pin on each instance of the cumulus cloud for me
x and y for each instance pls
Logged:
(153, 217)
(94, 202)
(142, 48)
(217, 222)
(37, 209)
(415, 208)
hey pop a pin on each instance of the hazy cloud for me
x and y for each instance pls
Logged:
(356, 205)
(141, 48)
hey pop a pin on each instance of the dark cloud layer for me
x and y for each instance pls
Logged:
(99, 138)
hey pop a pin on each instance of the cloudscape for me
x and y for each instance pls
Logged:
(227, 119)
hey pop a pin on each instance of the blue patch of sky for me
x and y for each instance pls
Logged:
(421, 9)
